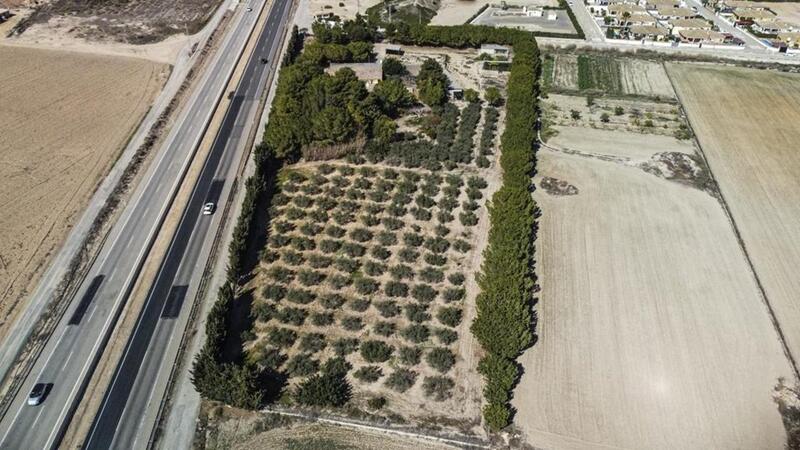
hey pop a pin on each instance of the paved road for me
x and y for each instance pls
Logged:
(126, 418)
(592, 32)
(726, 27)
(71, 354)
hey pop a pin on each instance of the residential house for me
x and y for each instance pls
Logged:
(791, 38)
(701, 36)
(619, 11)
(678, 25)
(746, 16)
(655, 5)
(640, 19)
(675, 13)
(773, 27)
(649, 32)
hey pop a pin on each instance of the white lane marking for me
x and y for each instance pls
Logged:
(72, 352)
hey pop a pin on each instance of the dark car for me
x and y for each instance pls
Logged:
(38, 393)
(264, 60)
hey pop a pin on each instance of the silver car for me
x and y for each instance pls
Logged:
(37, 394)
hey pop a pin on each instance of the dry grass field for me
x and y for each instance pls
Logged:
(748, 124)
(651, 331)
(64, 118)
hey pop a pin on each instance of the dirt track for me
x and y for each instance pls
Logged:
(64, 118)
(748, 123)
(651, 330)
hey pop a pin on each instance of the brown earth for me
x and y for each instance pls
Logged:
(64, 118)
(651, 330)
(748, 124)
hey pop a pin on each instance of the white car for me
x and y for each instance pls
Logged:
(208, 209)
(249, 9)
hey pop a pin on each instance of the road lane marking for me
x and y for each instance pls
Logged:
(68, 358)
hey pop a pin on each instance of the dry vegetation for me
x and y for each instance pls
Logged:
(63, 119)
(748, 123)
(649, 316)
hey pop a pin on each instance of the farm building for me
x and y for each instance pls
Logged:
(649, 32)
(701, 36)
(494, 50)
(369, 73)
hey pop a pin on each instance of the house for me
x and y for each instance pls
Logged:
(766, 26)
(640, 19)
(370, 73)
(619, 10)
(677, 25)
(791, 39)
(675, 13)
(393, 50)
(649, 32)
(701, 36)
(746, 16)
(655, 5)
(494, 50)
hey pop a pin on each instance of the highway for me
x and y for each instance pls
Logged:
(70, 356)
(126, 418)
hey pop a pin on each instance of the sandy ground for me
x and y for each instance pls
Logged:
(64, 118)
(651, 331)
(748, 124)
(626, 145)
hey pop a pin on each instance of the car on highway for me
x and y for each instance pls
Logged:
(37, 394)
(264, 60)
(208, 208)
(249, 9)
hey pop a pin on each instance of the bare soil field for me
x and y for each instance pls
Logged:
(64, 118)
(139, 22)
(651, 333)
(626, 145)
(748, 124)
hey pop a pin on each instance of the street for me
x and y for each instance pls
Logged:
(71, 354)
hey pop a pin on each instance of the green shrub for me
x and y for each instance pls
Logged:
(339, 281)
(417, 312)
(334, 231)
(321, 319)
(423, 293)
(387, 238)
(401, 380)
(421, 214)
(437, 244)
(368, 374)
(302, 201)
(345, 265)
(263, 311)
(468, 219)
(365, 286)
(353, 250)
(330, 245)
(361, 235)
(274, 292)
(456, 279)
(413, 239)
(376, 403)
(303, 243)
(453, 294)
(300, 296)
(385, 329)
(291, 316)
(292, 257)
(318, 215)
(272, 358)
(438, 387)
(391, 223)
(396, 289)
(409, 356)
(281, 274)
(401, 272)
(281, 337)
(319, 261)
(445, 335)
(310, 277)
(431, 275)
(332, 301)
(374, 269)
(328, 389)
(374, 351)
(345, 346)
(387, 308)
(282, 226)
(416, 333)
(441, 359)
(313, 342)
(359, 304)
(449, 316)
(462, 246)
(444, 217)
(352, 323)
(293, 213)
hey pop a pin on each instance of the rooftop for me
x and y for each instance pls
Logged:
(689, 23)
(676, 12)
(706, 35)
(649, 30)
(751, 13)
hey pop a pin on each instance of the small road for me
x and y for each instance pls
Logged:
(590, 28)
(127, 417)
(71, 354)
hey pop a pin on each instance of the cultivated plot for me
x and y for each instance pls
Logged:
(607, 74)
(748, 124)
(63, 119)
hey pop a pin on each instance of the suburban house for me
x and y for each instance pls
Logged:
(655, 5)
(701, 36)
(649, 32)
(746, 16)
(619, 10)
(773, 26)
(640, 19)
(370, 73)
(791, 39)
(675, 13)
(678, 25)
